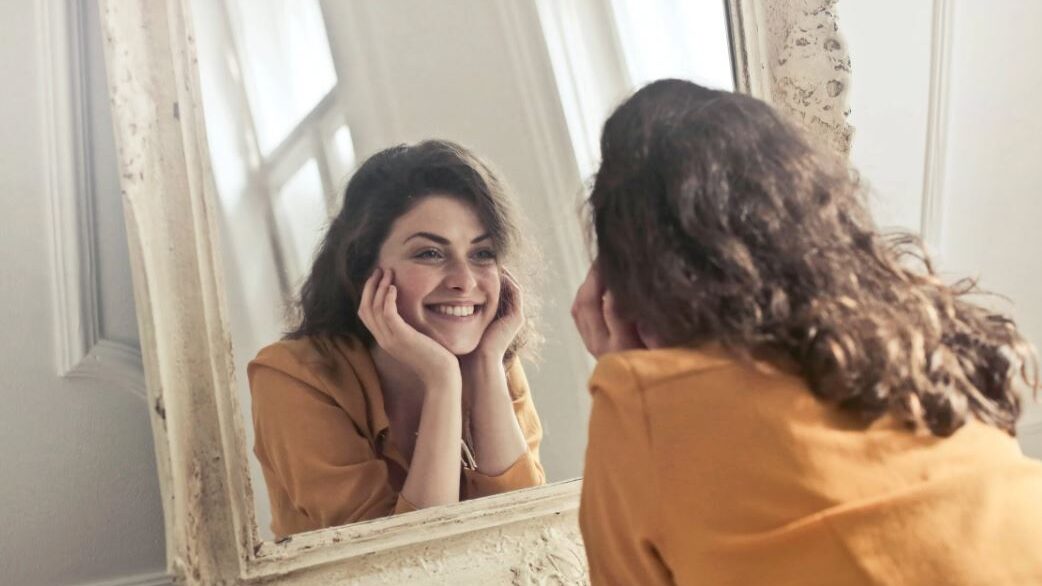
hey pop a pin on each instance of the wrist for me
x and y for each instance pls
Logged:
(447, 382)
(481, 364)
(481, 360)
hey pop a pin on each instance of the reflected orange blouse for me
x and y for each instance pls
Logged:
(704, 470)
(321, 436)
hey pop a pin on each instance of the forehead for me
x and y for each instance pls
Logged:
(443, 215)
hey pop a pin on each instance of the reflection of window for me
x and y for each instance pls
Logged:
(603, 50)
(342, 151)
(278, 137)
(275, 106)
(675, 38)
(300, 215)
(286, 66)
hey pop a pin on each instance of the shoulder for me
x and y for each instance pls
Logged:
(638, 370)
(316, 361)
(625, 387)
(689, 383)
(311, 374)
(301, 350)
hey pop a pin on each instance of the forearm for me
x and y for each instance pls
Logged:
(498, 439)
(435, 468)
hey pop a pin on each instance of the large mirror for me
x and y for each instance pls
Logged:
(239, 124)
(297, 94)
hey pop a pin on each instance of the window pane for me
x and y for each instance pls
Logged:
(684, 39)
(286, 63)
(341, 150)
(301, 217)
(227, 123)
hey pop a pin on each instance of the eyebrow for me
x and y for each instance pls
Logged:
(442, 240)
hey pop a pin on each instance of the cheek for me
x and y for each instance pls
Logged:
(413, 283)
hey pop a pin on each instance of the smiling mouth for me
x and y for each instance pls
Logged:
(455, 312)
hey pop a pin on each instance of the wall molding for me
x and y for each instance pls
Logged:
(81, 350)
(932, 214)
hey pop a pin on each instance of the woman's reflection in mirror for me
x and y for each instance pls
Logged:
(400, 386)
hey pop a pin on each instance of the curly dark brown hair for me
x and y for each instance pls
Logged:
(385, 187)
(717, 220)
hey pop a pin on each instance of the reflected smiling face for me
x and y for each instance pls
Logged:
(446, 272)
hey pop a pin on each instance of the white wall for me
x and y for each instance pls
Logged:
(993, 176)
(79, 496)
(990, 179)
(889, 101)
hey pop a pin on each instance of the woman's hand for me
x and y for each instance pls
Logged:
(428, 359)
(504, 328)
(496, 433)
(433, 477)
(599, 324)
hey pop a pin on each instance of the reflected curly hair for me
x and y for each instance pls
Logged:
(384, 188)
(716, 220)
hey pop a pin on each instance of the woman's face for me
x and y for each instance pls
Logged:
(446, 272)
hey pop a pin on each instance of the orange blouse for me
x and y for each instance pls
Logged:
(704, 470)
(321, 436)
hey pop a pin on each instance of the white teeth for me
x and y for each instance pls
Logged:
(455, 310)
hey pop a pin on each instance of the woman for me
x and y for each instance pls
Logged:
(779, 397)
(400, 387)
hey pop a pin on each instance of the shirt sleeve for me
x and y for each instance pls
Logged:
(310, 448)
(526, 471)
(617, 513)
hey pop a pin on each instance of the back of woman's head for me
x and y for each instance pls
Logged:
(384, 188)
(716, 220)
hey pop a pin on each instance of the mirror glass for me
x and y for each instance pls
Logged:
(298, 93)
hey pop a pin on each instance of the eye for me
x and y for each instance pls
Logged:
(428, 254)
(486, 255)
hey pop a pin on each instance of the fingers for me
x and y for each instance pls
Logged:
(596, 314)
(395, 328)
(647, 338)
(588, 313)
(371, 307)
(511, 297)
(611, 318)
(380, 296)
(594, 330)
(389, 310)
(367, 291)
(365, 304)
(622, 333)
(590, 292)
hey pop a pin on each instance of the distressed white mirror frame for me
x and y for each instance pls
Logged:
(788, 52)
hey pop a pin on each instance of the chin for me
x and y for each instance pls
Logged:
(460, 347)
(458, 341)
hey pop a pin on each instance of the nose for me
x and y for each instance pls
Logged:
(459, 277)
